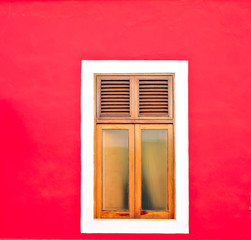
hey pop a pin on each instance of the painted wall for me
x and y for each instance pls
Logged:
(41, 46)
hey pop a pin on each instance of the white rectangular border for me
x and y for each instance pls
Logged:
(88, 223)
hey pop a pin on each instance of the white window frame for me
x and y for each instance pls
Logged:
(88, 223)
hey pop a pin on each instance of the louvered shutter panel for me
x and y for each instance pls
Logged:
(153, 97)
(114, 97)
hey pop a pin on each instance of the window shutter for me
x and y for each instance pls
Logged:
(114, 97)
(153, 97)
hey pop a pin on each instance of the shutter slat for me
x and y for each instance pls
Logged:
(153, 110)
(111, 100)
(115, 89)
(153, 82)
(153, 97)
(115, 110)
(153, 107)
(153, 93)
(114, 103)
(114, 93)
(152, 100)
(110, 82)
(114, 107)
(154, 89)
(153, 103)
(115, 97)
(114, 86)
(153, 86)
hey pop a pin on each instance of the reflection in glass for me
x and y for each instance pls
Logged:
(115, 169)
(154, 169)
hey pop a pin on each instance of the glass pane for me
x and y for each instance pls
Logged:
(115, 169)
(154, 169)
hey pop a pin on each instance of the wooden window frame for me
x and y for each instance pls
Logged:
(114, 213)
(139, 213)
(137, 122)
(134, 116)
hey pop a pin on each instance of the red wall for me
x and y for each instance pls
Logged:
(41, 46)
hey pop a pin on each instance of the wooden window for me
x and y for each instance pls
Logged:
(114, 97)
(134, 146)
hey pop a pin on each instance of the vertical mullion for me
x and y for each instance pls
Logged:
(137, 170)
(170, 98)
(99, 171)
(170, 173)
(132, 97)
(131, 170)
(98, 96)
(95, 171)
(136, 97)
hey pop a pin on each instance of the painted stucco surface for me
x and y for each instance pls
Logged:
(41, 48)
